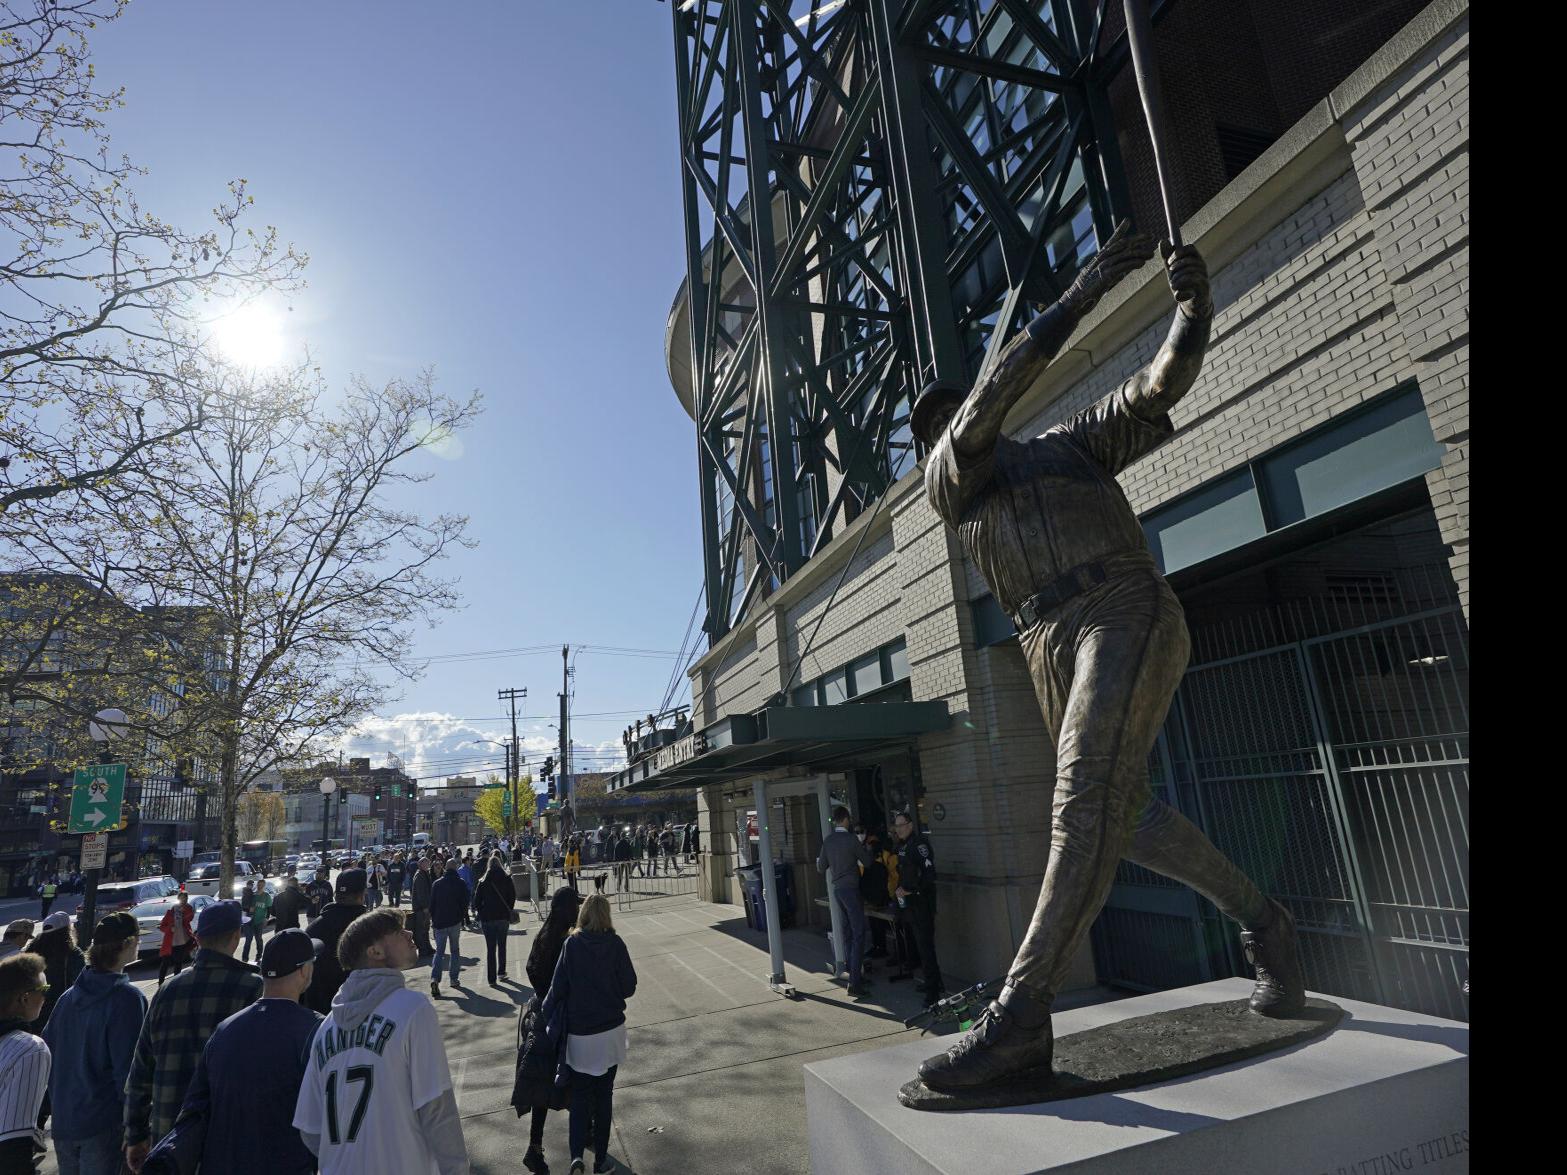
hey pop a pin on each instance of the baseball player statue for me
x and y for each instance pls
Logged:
(1046, 523)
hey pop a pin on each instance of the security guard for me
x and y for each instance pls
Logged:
(916, 894)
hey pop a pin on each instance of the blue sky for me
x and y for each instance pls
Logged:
(490, 190)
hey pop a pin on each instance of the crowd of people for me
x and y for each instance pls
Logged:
(317, 1057)
(644, 850)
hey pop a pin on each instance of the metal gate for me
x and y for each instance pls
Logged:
(1329, 758)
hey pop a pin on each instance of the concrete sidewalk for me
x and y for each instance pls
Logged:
(713, 1078)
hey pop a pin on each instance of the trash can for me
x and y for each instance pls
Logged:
(755, 899)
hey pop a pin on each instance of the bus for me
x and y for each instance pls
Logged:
(261, 853)
(421, 840)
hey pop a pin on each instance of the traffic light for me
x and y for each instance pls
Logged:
(376, 796)
(342, 794)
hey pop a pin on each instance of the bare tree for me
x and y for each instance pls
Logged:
(100, 300)
(272, 541)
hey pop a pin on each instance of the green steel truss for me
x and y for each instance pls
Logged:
(932, 169)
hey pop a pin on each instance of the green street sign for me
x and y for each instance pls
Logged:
(97, 796)
(397, 791)
(506, 806)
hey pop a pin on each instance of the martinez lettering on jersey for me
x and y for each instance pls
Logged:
(372, 1034)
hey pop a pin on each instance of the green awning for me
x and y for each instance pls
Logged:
(823, 737)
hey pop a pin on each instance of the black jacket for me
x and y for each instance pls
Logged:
(622, 849)
(419, 889)
(594, 979)
(448, 901)
(917, 867)
(288, 906)
(329, 973)
(496, 897)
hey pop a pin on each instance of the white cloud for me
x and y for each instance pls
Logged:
(434, 746)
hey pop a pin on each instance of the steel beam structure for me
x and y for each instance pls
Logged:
(876, 193)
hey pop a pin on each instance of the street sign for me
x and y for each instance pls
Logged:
(184, 849)
(96, 798)
(95, 850)
(397, 791)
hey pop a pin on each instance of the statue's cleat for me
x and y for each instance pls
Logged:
(1275, 953)
(995, 1049)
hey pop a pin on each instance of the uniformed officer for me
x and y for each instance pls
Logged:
(1105, 639)
(916, 894)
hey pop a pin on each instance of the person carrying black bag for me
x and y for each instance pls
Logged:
(495, 901)
(537, 1053)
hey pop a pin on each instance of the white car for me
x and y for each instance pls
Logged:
(149, 917)
(204, 878)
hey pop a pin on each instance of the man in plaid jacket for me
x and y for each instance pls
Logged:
(183, 1015)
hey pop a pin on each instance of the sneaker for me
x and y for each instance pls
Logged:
(435, 990)
(1274, 951)
(602, 1164)
(992, 1052)
(578, 1167)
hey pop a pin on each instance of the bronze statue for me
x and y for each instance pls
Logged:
(1106, 643)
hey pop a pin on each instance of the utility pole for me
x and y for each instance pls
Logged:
(513, 757)
(565, 722)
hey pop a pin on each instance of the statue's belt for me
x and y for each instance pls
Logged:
(1082, 578)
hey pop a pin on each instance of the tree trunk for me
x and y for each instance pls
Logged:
(229, 790)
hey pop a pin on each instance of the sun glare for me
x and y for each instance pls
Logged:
(251, 336)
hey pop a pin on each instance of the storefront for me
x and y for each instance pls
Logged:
(768, 781)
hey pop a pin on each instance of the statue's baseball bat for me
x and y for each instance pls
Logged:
(1139, 39)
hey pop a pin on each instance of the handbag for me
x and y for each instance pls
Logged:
(512, 915)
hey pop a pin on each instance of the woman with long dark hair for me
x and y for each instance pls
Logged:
(541, 1095)
(494, 901)
(63, 960)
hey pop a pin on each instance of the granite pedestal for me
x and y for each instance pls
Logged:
(1386, 1091)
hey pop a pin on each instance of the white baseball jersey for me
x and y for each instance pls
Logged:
(363, 1086)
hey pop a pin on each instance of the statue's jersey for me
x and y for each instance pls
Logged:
(1028, 512)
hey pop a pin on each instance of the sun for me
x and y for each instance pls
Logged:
(251, 336)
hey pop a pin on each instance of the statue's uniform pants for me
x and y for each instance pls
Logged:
(1105, 667)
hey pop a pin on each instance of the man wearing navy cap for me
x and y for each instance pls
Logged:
(182, 1017)
(251, 1069)
(327, 929)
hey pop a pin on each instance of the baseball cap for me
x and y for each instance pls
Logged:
(218, 919)
(59, 920)
(20, 926)
(287, 952)
(351, 881)
(115, 928)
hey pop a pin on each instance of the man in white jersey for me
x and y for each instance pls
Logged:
(377, 1094)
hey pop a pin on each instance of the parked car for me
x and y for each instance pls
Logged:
(123, 895)
(204, 878)
(149, 918)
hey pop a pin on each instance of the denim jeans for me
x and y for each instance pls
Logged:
(253, 931)
(446, 939)
(852, 907)
(495, 932)
(99, 1155)
(592, 1111)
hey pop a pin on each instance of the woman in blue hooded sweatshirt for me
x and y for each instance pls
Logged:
(593, 979)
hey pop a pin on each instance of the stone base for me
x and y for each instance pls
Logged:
(1142, 1050)
(1385, 1090)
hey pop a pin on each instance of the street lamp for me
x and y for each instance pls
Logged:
(328, 785)
(513, 776)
